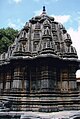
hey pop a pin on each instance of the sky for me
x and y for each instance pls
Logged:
(15, 13)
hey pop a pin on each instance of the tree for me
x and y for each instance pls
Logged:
(2, 33)
(7, 37)
(11, 33)
(4, 44)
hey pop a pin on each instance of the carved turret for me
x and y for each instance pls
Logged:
(70, 51)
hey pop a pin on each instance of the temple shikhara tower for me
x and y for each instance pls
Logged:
(38, 72)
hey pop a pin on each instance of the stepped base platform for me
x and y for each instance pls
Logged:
(40, 115)
(54, 102)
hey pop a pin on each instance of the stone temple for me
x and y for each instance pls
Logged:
(38, 72)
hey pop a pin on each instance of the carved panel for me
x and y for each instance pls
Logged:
(36, 35)
(64, 85)
(72, 85)
(54, 27)
(37, 25)
(35, 45)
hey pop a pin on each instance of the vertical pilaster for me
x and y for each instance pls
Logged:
(26, 80)
(33, 84)
(44, 78)
(8, 81)
(64, 79)
(72, 78)
(17, 79)
(1, 82)
(48, 78)
(52, 77)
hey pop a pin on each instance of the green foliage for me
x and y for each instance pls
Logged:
(7, 37)
(4, 44)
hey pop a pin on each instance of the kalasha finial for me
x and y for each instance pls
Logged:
(44, 9)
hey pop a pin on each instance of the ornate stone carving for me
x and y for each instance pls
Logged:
(38, 72)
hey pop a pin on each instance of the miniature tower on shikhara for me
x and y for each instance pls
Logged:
(38, 72)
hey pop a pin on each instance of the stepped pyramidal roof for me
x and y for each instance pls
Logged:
(41, 36)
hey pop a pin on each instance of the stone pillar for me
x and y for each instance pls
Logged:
(72, 78)
(33, 84)
(21, 79)
(26, 80)
(52, 77)
(48, 78)
(64, 79)
(44, 78)
(8, 81)
(38, 76)
(68, 78)
(58, 79)
(17, 79)
(1, 82)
